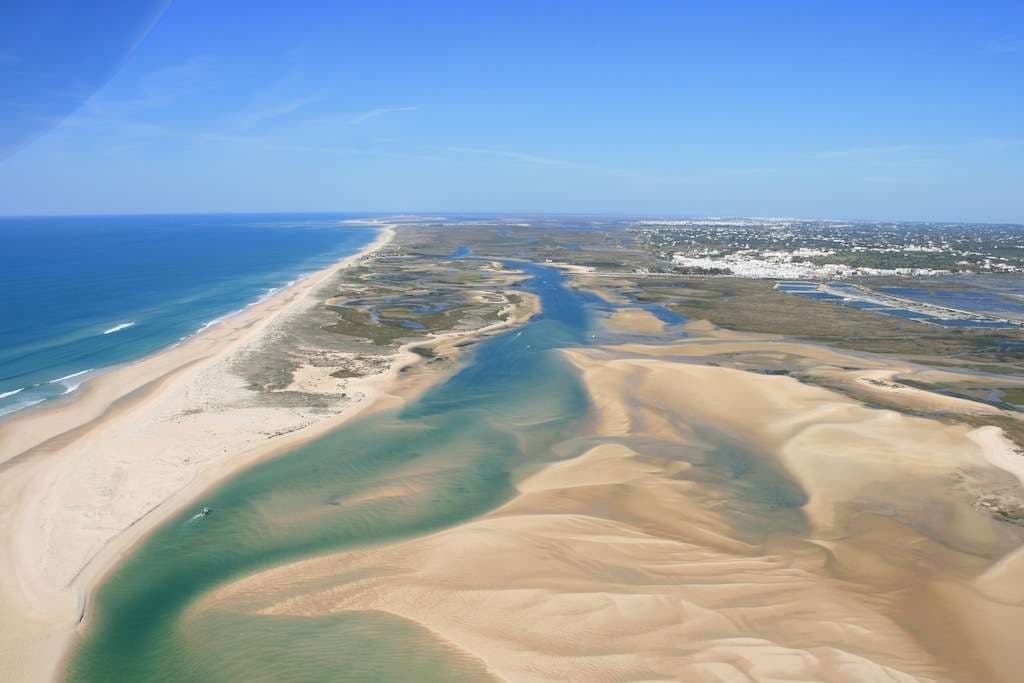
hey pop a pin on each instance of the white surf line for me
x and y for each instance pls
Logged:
(118, 328)
(71, 387)
(210, 323)
(20, 406)
(12, 393)
(60, 380)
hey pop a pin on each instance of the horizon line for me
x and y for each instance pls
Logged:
(489, 213)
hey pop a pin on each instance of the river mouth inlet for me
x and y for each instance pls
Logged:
(442, 459)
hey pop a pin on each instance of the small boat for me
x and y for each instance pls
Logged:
(206, 512)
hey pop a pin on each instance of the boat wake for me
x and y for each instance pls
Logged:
(205, 512)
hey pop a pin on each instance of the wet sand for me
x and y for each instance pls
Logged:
(84, 479)
(635, 320)
(718, 525)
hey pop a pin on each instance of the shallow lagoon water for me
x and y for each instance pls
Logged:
(451, 453)
(981, 303)
(449, 456)
(978, 301)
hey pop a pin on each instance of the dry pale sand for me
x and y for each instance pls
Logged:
(634, 320)
(594, 285)
(82, 480)
(639, 560)
(571, 267)
(883, 385)
(868, 377)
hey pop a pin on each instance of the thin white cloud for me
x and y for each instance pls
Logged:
(531, 158)
(365, 116)
(166, 85)
(255, 143)
(876, 152)
(680, 176)
(916, 151)
(257, 115)
(156, 90)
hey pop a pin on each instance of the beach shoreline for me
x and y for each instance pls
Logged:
(105, 385)
(46, 591)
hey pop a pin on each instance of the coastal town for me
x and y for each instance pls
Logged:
(792, 249)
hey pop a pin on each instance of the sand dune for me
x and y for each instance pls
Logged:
(722, 526)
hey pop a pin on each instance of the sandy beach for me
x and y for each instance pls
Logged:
(83, 479)
(648, 556)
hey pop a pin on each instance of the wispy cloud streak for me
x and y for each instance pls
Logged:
(641, 176)
(910, 151)
(254, 116)
(365, 116)
(263, 142)
(156, 90)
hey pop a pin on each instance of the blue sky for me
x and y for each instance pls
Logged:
(856, 110)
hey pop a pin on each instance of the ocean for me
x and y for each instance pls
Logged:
(83, 293)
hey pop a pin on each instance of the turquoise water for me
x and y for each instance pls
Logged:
(453, 454)
(455, 450)
(83, 293)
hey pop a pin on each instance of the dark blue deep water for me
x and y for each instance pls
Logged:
(82, 293)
